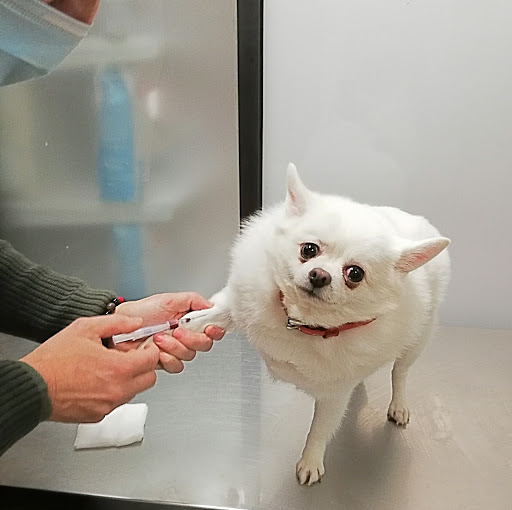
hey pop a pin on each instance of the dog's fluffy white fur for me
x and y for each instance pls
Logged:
(406, 270)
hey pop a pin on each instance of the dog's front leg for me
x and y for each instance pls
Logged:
(218, 315)
(329, 412)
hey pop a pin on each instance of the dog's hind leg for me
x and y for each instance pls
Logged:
(398, 411)
(218, 315)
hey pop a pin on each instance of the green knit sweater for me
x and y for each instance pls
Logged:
(35, 303)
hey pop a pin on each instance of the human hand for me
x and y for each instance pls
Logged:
(86, 381)
(180, 344)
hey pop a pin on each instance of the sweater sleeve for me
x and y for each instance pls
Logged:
(24, 401)
(36, 302)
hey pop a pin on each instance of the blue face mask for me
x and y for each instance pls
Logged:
(34, 39)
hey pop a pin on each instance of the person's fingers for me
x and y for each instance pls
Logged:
(214, 332)
(195, 341)
(171, 363)
(183, 302)
(105, 326)
(144, 359)
(167, 343)
(143, 382)
(198, 302)
(125, 346)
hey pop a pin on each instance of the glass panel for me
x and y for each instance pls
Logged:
(121, 167)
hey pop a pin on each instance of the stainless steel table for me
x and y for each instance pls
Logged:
(221, 434)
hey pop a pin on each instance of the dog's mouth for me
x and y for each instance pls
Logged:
(312, 293)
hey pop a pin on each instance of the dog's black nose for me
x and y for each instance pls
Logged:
(319, 277)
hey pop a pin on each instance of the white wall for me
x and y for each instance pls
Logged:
(405, 103)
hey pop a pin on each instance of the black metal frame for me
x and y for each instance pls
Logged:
(250, 104)
(17, 498)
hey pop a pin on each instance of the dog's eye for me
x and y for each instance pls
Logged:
(354, 274)
(309, 251)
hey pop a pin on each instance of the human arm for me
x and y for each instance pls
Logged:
(24, 401)
(72, 377)
(37, 302)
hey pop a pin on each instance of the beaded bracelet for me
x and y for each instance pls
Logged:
(111, 307)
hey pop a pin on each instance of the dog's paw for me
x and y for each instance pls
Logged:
(199, 320)
(398, 413)
(310, 469)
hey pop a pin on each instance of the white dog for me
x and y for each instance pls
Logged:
(328, 290)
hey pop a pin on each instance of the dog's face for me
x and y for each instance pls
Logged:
(337, 261)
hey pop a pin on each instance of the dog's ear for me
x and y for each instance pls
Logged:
(415, 254)
(298, 195)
